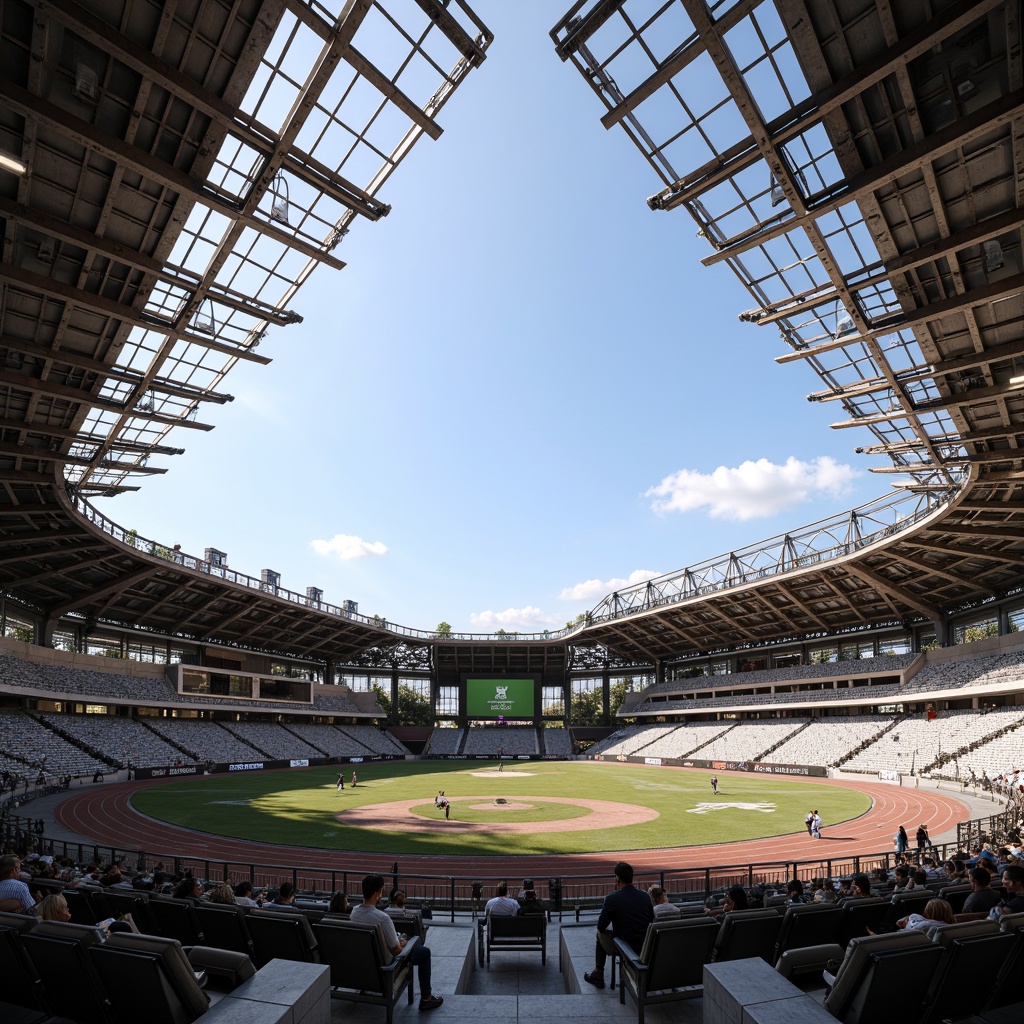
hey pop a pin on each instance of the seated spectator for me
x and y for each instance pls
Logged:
(339, 904)
(222, 893)
(1013, 883)
(735, 899)
(531, 905)
(244, 895)
(285, 898)
(501, 904)
(663, 910)
(956, 871)
(15, 896)
(825, 890)
(936, 912)
(188, 889)
(902, 879)
(859, 889)
(54, 908)
(396, 905)
(795, 893)
(982, 897)
(625, 915)
(367, 913)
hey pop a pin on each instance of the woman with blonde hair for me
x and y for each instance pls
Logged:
(936, 912)
(222, 893)
(53, 908)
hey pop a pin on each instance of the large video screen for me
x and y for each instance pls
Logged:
(497, 698)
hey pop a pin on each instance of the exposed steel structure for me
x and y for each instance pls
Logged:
(170, 180)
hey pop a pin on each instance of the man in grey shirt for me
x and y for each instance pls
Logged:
(368, 913)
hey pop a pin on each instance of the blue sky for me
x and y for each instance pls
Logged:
(523, 390)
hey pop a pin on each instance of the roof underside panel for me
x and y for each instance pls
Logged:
(858, 166)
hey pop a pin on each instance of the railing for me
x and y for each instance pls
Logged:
(134, 540)
(970, 834)
(451, 894)
(822, 541)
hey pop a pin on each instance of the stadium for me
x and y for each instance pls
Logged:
(171, 178)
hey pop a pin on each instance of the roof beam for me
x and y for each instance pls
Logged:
(150, 167)
(829, 99)
(235, 121)
(903, 596)
(118, 311)
(118, 253)
(993, 291)
(986, 119)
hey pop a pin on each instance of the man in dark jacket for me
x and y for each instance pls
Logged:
(627, 911)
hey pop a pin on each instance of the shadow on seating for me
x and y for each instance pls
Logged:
(748, 933)
(883, 979)
(281, 935)
(517, 934)
(670, 966)
(362, 968)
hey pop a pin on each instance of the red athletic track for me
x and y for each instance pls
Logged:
(105, 815)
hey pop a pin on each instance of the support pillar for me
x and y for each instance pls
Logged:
(393, 717)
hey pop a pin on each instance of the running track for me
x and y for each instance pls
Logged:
(105, 816)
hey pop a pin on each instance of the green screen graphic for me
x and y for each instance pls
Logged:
(489, 698)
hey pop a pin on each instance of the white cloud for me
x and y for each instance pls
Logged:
(753, 489)
(348, 547)
(529, 619)
(594, 590)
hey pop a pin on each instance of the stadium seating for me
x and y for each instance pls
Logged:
(669, 966)
(362, 969)
(517, 934)
(281, 935)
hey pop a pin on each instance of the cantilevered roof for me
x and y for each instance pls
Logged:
(173, 173)
(858, 166)
(176, 171)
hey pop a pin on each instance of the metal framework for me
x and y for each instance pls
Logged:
(859, 167)
(171, 173)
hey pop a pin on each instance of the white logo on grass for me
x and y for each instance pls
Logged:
(501, 693)
(764, 808)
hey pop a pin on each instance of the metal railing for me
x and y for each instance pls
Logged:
(823, 541)
(455, 894)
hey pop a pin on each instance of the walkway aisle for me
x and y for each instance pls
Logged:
(516, 988)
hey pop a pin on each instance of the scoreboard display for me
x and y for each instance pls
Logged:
(500, 698)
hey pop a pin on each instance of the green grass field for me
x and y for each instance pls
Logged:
(301, 807)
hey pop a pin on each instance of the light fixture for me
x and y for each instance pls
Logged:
(203, 320)
(9, 162)
(845, 327)
(279, 201)
(86, 83)
(993, 254)
(46, 251)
